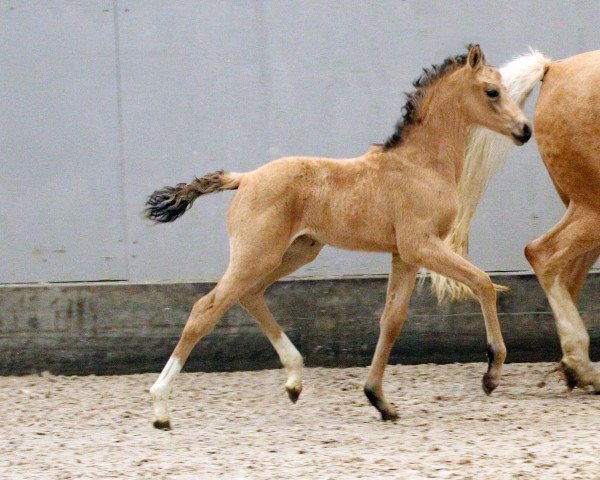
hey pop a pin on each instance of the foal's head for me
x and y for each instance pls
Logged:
(486, 101)
(469, 84)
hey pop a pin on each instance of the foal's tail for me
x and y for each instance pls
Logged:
(170, 203)
(486, 152)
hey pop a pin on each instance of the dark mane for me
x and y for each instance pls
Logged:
(413, 99)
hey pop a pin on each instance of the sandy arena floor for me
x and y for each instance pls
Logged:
(242, 426)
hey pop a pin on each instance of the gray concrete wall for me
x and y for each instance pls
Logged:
(104, 101)
(125, 328)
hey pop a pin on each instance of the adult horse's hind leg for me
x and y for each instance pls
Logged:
(250, 261)
(575, 273)
(576, 236)
(400, 287)
(302, 251)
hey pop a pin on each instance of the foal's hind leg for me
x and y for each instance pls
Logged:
(247, 265)
(302, 251)
(400, 287)
(576, 236)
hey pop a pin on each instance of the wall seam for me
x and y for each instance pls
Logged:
(120, 138)
(265, 78)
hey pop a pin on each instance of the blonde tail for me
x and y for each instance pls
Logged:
(486, 152)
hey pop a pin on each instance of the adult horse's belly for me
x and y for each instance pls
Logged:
(567, 127)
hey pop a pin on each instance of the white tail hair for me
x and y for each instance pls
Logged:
(486, 152)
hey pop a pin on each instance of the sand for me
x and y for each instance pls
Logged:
(242, 426)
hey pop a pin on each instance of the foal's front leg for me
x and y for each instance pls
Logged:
(400, 287)
(438, 257)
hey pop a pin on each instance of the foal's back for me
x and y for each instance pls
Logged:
(342, 202)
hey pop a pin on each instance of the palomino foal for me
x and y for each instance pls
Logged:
(399, 198)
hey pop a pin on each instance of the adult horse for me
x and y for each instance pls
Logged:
(400, 198)
(567, 128)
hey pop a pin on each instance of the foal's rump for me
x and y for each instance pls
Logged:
(276, 179)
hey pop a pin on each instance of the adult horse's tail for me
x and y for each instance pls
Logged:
(486, 152)
(170, 203)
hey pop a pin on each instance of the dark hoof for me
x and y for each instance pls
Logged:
(571, 376)
(162, 425)
(488, 384)
(294, 394)
(388, 416)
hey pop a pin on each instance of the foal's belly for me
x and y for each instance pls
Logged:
(361, 232)
(351, 241)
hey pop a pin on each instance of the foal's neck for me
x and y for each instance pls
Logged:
(439, 138)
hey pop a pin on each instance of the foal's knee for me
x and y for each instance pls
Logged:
(484, 288)
(391, 326)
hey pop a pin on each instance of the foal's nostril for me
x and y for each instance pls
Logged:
(525, 134)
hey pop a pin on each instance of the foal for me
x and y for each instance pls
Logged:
(399, 198)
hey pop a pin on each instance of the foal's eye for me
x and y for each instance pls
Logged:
(492, 93)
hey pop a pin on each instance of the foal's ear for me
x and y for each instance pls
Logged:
(475, 58)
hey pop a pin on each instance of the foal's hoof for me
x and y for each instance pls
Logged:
(387, 411)
(488, 384)
(160, 425)
(294, 393)
(389, 415)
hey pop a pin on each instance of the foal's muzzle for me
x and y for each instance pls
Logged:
(522, 135)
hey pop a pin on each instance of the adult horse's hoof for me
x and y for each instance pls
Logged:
(166, 425)
(294, 393)
(488, 384)
(580, 376)
(570, 375)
